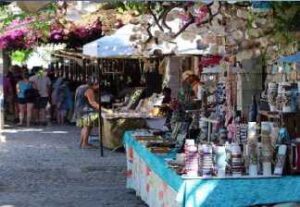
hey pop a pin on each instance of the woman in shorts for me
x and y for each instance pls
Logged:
(25, 101)
(86, 110)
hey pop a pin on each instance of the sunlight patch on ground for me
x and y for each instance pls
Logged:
(2, 140)
(55, 132)
(21, 130)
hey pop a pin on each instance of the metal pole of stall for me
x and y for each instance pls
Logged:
(100, 113)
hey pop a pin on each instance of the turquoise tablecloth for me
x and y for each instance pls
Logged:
(219, 192)
(156, 163)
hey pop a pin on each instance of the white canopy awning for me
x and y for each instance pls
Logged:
(121, 43)
(115, 45)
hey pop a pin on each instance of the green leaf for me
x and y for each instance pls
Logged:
(20, 56)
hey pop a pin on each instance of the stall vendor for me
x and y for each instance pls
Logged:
(194, 83)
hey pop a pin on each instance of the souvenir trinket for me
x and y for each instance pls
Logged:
(295, 156)
(205, 160)
(191, 157)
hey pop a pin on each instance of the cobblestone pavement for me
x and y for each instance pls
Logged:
(44, 167)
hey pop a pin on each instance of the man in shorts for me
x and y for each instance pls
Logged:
(43, 84)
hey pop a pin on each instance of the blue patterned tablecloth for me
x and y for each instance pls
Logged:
(219, 192)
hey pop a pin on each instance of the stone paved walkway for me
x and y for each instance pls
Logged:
(44, 167)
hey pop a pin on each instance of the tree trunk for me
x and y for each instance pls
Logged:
(1, 92)
(4, 67)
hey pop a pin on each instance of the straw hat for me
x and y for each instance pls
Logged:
(186, 74)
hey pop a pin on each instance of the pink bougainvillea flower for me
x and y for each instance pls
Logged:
(81, 32)
(201, 13)
(57, 35)
(16, 34)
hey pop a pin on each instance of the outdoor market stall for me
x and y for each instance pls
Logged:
(222, 147)
(246, 168)
(136, 112)
(75, 66)
(158, 185)
(245, 155)
(218, 151)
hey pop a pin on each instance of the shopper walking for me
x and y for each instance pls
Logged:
(25, 99)
(86, 108)
(43, 85)
(63, 103)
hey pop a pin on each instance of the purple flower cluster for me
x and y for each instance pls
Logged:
(13, 39)
(22, 34)
(74, 35)
(18, 35)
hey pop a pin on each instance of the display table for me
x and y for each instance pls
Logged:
(114, 125)
(158, 185)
